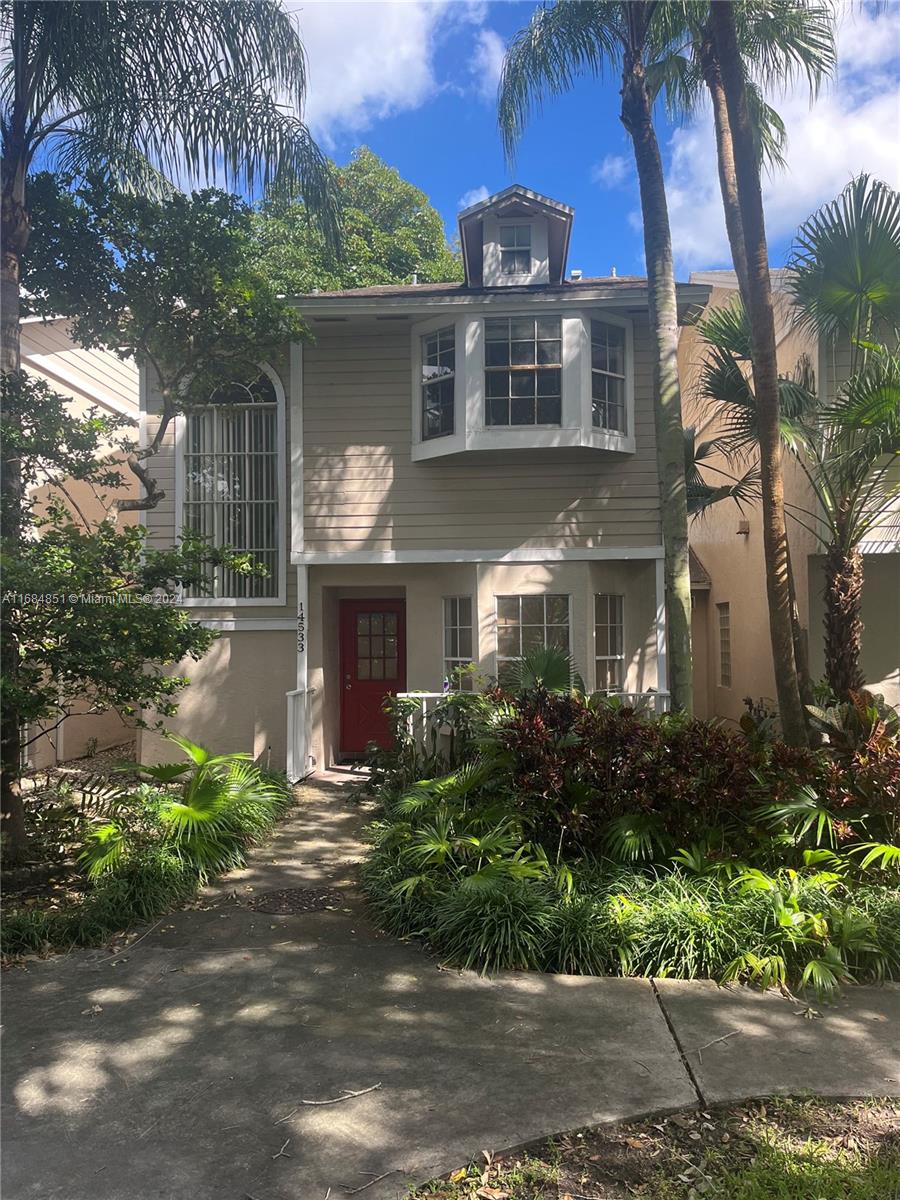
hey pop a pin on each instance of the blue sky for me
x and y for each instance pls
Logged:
(415, 80)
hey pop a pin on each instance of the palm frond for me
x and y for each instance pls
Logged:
(559, 44)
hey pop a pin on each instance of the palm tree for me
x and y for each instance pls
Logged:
(196, 89)
(593, 36)
(845, 281)
(778, 40)
(846, 444)
(757, 297)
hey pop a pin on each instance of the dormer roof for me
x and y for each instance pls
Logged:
(515, 202)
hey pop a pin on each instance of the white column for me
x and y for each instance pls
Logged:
(662, 679)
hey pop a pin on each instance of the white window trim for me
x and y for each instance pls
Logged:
(623, 657)
(280, 597)
(470, 432)
(496, 617)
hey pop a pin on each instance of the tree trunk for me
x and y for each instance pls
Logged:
(14, 230)
(765, 373)
(637, 119)
(843, 624)
(727, 176)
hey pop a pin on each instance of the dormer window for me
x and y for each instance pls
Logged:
(438, 382)
(523, 371)
(515, 249)
(608, 376)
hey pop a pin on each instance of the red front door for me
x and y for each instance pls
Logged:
(373, 665)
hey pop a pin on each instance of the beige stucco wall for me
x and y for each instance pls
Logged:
(235, 700)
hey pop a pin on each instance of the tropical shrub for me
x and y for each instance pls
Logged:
(150, 845)
(584, 836)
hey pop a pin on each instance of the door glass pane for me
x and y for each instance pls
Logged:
(362, 623)
(377, 668)
(362, 668)
(390, 668)
(390, 623)
(377, 622)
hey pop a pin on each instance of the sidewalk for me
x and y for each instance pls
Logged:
(178, 1069)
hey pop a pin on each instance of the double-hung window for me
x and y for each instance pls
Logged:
(438, 382)
(457, 641)
(523, 371)
(515, 249)
(608, 376)
(231, 484)
(609, 635)
(527, 623)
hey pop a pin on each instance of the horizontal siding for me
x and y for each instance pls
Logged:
(362, 490)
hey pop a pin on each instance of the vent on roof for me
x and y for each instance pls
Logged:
(575, 274)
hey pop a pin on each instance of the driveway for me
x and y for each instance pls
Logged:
(196, 1064)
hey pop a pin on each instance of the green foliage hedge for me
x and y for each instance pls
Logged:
(150, 847)
(578, 835)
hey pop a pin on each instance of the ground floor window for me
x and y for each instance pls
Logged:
(457, 641)
(527, 622)
(724, 616)
(609, 634)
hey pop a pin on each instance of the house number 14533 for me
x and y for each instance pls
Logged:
(301, 629)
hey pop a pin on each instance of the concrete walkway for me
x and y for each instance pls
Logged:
(177, 1070)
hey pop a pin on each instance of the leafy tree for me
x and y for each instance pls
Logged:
(139, 91)
(389, 231)
(167, 284)
(560, 42)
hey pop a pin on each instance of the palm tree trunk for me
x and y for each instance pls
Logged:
(637, 119)
(843, 622)
(14, 230)
(727, 176)
(765, 373)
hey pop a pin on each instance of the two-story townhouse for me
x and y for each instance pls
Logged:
(731, 623)
(444, 474)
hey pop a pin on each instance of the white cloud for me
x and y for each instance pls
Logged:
(368, 61)
(851, 128)
(612, 171)
(475, 196)
(487, 63)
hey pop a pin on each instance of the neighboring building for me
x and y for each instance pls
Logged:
(447, 473)
(732, 652)
(89, 379)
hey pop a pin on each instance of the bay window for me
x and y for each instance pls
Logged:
(438, 382)
(523, 371)
(608, 376)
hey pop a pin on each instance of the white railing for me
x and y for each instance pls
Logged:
(658, 702)
(298, 756)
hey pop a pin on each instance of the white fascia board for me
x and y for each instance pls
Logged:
(536, 554)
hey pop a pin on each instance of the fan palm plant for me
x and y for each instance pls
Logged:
(845, 281)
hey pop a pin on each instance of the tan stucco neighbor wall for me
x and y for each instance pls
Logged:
(881, 623)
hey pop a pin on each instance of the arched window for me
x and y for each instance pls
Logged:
(231, 492)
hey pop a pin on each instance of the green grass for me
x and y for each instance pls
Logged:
(780, 1149)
